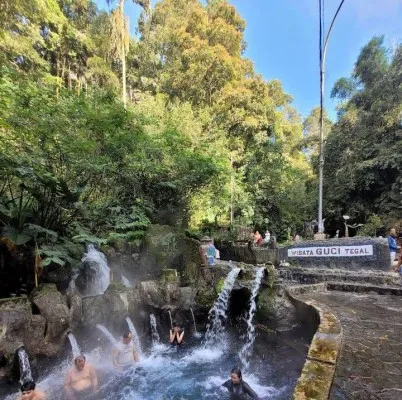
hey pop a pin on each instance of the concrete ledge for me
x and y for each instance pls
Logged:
(364, 288)
(319, 369)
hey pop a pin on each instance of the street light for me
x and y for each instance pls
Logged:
(346, 217)
(323, 53)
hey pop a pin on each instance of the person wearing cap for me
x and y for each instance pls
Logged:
(81, 380)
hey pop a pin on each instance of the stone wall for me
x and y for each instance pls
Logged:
(380, 259)
(39, 323)
(248, 254)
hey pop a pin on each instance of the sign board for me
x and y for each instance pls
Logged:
(332, 251)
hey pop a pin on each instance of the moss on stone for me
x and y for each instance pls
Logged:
(314, 382)
(219, 285)
(205, 298)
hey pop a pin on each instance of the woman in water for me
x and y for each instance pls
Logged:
(238, 388)
(176, 335)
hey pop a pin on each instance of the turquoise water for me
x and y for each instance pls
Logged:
(192, 372)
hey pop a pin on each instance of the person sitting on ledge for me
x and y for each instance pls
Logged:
(29, 392)
(176, 335)
(239, 389)
(81, 380)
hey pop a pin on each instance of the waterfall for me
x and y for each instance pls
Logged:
(195, 326)
(217, 314)
(136, 338)
(112, 340)
(125, 281)
(25, 367)
(74, 345)
(246, 350)
(154, 331)
(98, 271)
(171, 321)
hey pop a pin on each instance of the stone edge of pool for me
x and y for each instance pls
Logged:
(319, 368)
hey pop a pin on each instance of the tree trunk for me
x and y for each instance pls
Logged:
(123, 55)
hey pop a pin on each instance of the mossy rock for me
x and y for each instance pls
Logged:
(170, 275)
(205, 298)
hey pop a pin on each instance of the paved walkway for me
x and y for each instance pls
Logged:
(370, 363)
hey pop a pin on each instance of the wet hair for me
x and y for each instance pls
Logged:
(127, 335)
(78, 357)
(29, 385)
(174, 323)
(237, 371)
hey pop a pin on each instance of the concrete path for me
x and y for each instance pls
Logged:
(370, 363)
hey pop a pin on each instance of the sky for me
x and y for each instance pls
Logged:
(282, 40)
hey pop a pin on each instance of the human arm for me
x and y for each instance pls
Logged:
(392, 244)
(94, 378)
(67, 385)
(172, 334)
(180, 336)
(135, 355)
(115, 356)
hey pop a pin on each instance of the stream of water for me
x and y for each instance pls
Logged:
(25, 367)
(217, 314)
(74, 345)
(246, 350)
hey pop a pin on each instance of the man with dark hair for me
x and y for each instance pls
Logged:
(29, 392)
(125, 353)
(81, 380)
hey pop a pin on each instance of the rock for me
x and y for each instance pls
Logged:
(52, 305)
(187, 295)
(57, 274)
(75, 304)
(94, 310)
(116, 298)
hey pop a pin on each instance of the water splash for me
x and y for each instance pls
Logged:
(125, 281)
(246, 350)
(74, 345)
(136, 338)
(171, 321)
(154, 331)
(98, 271)
(104, 330)
(217, 314)
(195, 326)
(25, 366)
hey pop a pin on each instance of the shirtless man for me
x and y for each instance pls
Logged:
(125, 352)
(29, 392)
(81, 380)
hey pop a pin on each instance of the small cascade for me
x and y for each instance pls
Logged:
(217, 314)
(171, 321)
(195, 326)
(246, 350)
(97, 271)
(154, 331)
(74, 345)
(25, 366)
(136, 338)
(125, 281)
(104, 330)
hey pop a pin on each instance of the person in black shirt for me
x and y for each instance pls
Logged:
(238, 388)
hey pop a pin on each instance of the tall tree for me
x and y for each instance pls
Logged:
(364, 148)
(120, 39)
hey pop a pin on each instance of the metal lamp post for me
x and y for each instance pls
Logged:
(323, 52)
(346, 217)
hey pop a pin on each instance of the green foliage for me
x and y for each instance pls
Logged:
(201, 129)
(364, 148)
(372, 226)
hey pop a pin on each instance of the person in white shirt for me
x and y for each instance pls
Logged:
(125, 352)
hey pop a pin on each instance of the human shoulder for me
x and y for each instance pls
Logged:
(228, 383)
